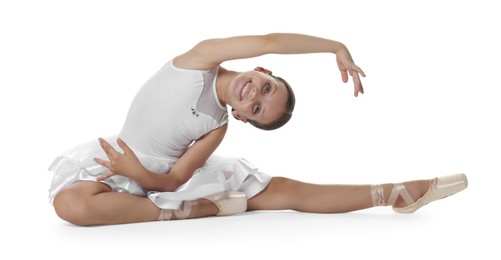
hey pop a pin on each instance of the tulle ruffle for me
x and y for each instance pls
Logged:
(217, 175)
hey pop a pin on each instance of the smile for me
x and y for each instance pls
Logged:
(244, 92)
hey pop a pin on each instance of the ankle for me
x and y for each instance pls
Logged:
(184, 211)
(380, 194)
(392, 194)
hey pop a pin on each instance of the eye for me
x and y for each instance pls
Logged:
(267, 88)
(257, 108)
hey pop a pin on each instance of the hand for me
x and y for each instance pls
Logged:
(126, 164)
(347, 66)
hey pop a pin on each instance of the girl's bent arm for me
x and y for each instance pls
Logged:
(191, 160)
(128, 165)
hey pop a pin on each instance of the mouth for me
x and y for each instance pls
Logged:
(244, 92)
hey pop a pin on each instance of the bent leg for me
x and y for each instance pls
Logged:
(93, 203)
(283, 193)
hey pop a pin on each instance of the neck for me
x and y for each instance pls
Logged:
(224, 79)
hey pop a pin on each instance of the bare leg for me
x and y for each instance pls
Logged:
(92, 203)
(283, 193)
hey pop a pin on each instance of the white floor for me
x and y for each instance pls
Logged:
(458, 227)
(69, 71)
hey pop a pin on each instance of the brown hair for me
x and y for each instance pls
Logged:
(286, 116)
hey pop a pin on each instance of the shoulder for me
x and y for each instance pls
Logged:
(206, 55)
(220, 131)
(193, 60)
(215, 136)
(208, 143)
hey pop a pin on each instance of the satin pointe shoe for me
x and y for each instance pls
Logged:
(439, 188)
(229, 203)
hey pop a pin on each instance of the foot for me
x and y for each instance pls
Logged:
(439, 188)
(190, 209)
(229, 203)
(409, 196)
(415, 188)
(206, 208)
(219, 204)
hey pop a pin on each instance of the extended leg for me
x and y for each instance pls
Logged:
(93, 203)
(283, 193)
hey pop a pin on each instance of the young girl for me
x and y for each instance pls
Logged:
(161, 165)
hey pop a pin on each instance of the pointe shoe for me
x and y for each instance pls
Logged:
(439, 188)
(229, 203)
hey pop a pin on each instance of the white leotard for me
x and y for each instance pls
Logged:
(173, 109)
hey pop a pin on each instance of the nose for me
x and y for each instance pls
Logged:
(253, 93)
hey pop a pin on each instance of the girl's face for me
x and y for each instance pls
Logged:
(257, 96)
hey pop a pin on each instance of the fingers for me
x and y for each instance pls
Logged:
(108, 149)
(107, 165)
(103, 162)
(124, 146)
(344, 76)
(360, 71)
(112, 155)
(104, 177)
(355, 73)
(358, 84)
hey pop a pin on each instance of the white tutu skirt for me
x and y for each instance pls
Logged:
(217, 175)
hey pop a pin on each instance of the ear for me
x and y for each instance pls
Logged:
(238, 117)
(263, 70)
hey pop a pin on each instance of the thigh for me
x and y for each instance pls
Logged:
(276, 196)
(85, 188)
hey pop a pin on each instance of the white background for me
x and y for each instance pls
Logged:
(69, 70)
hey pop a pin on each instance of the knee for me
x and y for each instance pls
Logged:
(283, 188)
(283, 184)
(287, 189)
(71, 207)
(278, 195)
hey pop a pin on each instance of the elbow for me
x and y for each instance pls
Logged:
(272, 36)
(171, 185)
(271, 42)
(172, 182)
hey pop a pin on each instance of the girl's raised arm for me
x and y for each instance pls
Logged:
(211, 53)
